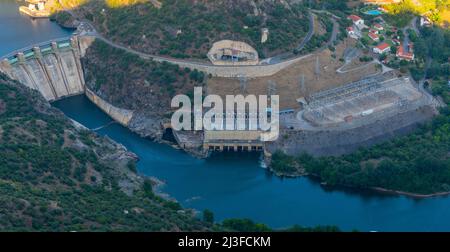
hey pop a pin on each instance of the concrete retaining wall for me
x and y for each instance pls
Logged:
(338, 142)
(122, 116)
(234, 71)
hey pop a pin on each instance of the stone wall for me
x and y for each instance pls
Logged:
(338, 142)
(234, 71)
(122, 116)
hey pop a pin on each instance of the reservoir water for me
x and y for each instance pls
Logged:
(18, 30)
(235, 185)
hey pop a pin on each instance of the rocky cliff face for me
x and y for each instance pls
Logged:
(142, 87)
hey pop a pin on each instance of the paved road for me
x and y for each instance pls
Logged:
(87, 28)
(279, 58)
(334, 33)
(413, 25)
(310, 32)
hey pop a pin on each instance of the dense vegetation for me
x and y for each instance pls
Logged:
(432, 50)
(187, 28)
(418, 163)
(55, 177)
(128, 81)
(246, 225)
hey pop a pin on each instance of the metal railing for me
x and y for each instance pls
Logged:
(15, 52)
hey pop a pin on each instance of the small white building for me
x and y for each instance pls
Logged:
(373, 36)
(264, 35)
(378, 27)
(352, 33)
(425, 21)
(374, 31)
(382, 48)
(357, 21)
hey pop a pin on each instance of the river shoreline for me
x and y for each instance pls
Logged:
(380, 190)
(298, 173)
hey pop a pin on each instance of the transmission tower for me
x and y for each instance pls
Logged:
(302, 84)
(243, 82)
(271, 88)
(317, 68)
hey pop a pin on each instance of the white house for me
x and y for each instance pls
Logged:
(352, 33)
(357, 21)
(425, 21)
(378, 27)
(382, 48)
(374, 37)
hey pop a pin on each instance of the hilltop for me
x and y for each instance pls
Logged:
(188, 28)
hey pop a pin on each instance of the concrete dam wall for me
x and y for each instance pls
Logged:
(53, 68)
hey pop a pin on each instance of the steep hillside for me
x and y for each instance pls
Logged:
(144, 86)
(56, 176)
(187, 28)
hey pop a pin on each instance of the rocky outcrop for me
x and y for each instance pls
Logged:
(147, 125)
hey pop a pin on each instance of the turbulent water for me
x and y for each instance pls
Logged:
(236, 185)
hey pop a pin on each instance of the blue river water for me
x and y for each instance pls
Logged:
(235, 185)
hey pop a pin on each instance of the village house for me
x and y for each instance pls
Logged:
(405, 52)
(357, 21)
(396, 41)
(378, 27)
(382, 48)
(373, 31)
(374, 36)
(425, 21)
(352, 33)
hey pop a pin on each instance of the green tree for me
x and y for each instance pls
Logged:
(208, 216)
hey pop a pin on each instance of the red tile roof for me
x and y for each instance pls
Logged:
(354, 18)
(383, 46)
(401, 53)
(373, 36)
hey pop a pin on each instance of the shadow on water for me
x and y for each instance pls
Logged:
(169, 136)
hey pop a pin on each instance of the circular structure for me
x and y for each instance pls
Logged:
(235, 53)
